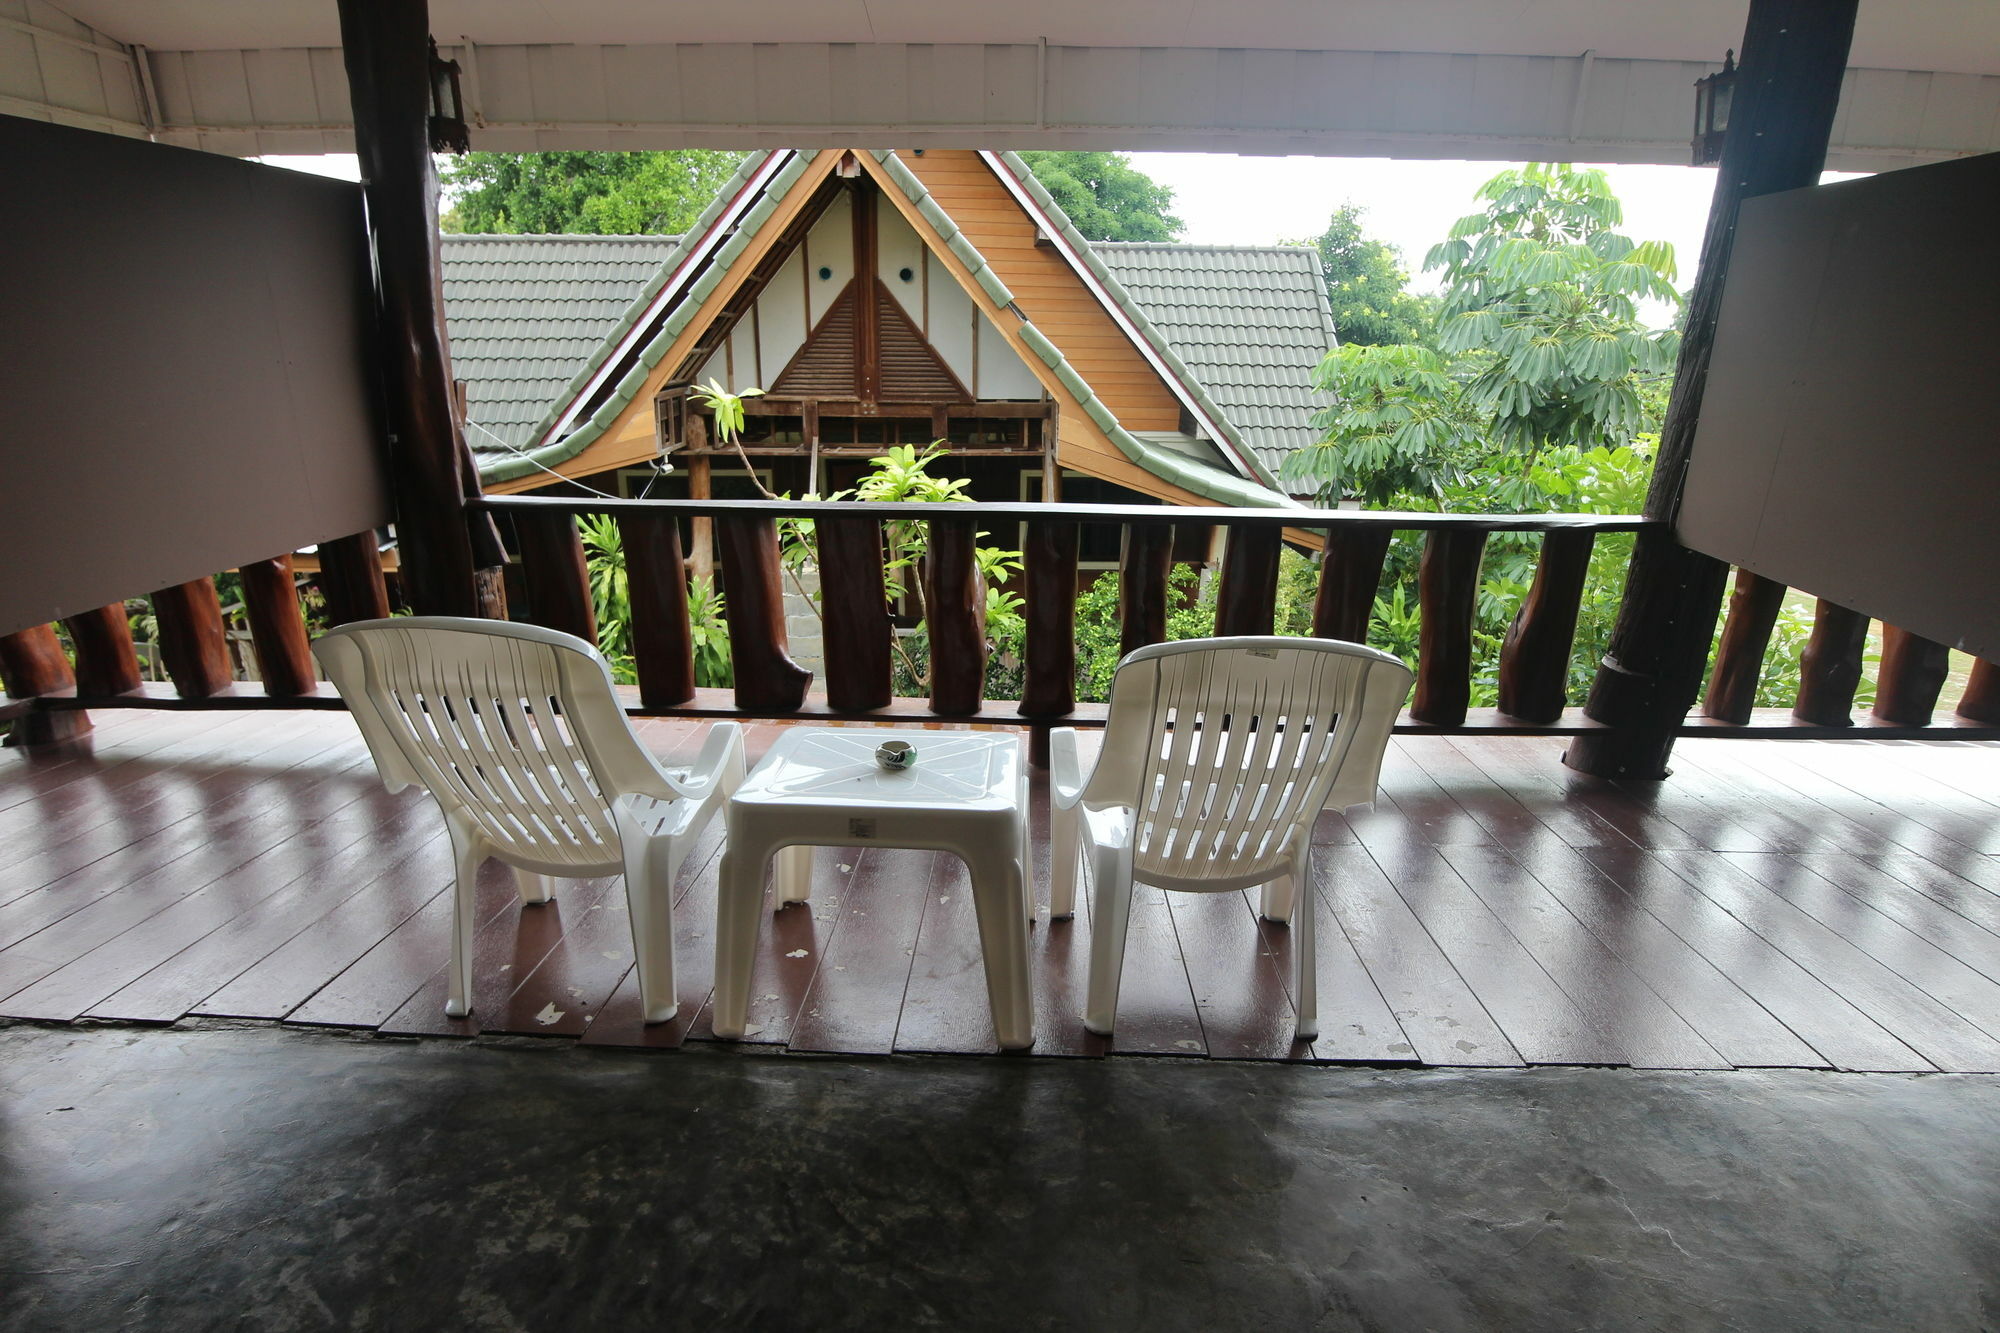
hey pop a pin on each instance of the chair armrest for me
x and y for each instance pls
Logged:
(719, 763)
(1066, 776)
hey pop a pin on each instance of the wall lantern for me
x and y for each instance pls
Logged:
(448, 131)
(1712, 98)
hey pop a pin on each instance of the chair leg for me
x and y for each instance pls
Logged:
(1305, 971)
(651, 867)
(1062, 862)
(740, 895)
(1110, 915)
(1278, 899)
(534, 888)
(467, 857)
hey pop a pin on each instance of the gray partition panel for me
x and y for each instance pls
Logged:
(1850, 435)
(183, 368)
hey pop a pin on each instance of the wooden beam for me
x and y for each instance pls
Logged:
(387, 52)
(867, 313)
(1788, 88)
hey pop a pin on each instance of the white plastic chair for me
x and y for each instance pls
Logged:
(516, 732)
(1218, 755)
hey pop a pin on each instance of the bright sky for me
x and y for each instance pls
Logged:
(1229, 200)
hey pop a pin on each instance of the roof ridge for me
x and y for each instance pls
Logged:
(1277, 246)
(654, 236)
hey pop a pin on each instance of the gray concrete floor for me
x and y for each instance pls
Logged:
(269, 1178)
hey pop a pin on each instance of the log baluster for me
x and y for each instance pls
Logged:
(1350, 571)
(106, 662)
(1830, 669)
(1246, 600)
(955, 612)
(1746, 637)
(768, 681)
(1447, 592)
(32, 663)
(557, 575)
(194, 647)
(350, 578)
(854, 610)
(1981, 700)
(1912, 675)
(1143, 567)
(277, 629)
(1534, 660)
(1048, 686)
(656, 581)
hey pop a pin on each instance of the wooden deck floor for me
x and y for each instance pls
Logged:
(1802, 904)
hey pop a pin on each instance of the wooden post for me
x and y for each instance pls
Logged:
(701, 530)
(656, 580)
(1912, 675)
(1448, 593)
(1788, 87)
(557, 574)
(277, 629)
(955, 614)
(1048, 684)
(1246, 602)
(1981, 700)
(768, 681)
(854, 605)
(1831, 667)
(193, 644)
(32, 664)
(106, 662)
(489, 554)
(1746, 638)
(387, 52)
(1350, 570)
(1143, 568)
(1534, 660)
(350, 577)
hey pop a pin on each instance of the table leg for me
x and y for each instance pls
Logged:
(794, 874)
(739, 900)
(998, 888)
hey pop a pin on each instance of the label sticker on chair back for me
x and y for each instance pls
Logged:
(1262, 652)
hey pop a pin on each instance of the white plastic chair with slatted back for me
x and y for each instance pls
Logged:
(516, 732)
(1218, 755)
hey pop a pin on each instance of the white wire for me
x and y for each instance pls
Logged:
(519, 452)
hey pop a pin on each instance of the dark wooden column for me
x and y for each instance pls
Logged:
(277, 630)
(1746, 638)
(31, 664)
(1794, 55)
(1048, 686)
(350, 575)
(1830, 670)
(106, 662)
(194, 647)
(1246, 600)
(557, 574)
(1912, 676)
(1534, 660)
(387, 50)
(1143, 568)
(656, 578)
(1349, 573)
(854, 610)
(768, 681)
(1448, 594)
(955, 615)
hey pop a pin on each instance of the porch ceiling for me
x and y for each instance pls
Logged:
(1599, 80)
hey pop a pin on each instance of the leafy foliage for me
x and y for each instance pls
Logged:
(1365, 282)
(611, 599)
(606, 194)
(1536, 344)
(1107, 197)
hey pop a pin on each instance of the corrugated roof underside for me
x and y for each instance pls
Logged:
(524, 312)
(1250, 323)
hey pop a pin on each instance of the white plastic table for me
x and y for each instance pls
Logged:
(821, 787)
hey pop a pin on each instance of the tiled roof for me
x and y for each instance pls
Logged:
(525, 312)
(1250, 322)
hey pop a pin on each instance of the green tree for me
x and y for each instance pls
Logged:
(606, 194)
(1107, 197)
(1365, 282)
(1537, 343)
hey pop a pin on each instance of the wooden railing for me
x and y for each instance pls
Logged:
(46, 696)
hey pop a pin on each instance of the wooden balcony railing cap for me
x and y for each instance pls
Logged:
(1025, 512)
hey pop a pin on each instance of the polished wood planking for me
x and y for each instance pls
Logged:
(1810, 904)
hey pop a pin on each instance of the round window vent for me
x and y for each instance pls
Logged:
(907, 275)
(824, 273)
